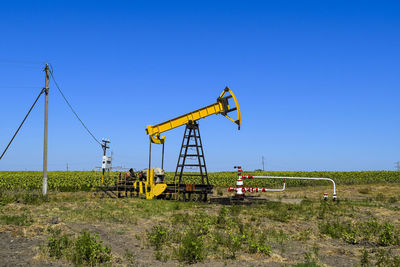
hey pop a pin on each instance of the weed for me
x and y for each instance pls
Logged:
(89, 249)
(129, 257)
(281, 213)
(257, 246)
(380, 197)
(370, 229)
(384, 258)
(322, 211)
(365, 261)
(34, 198)
(176, 206)
(160, 256)
(234, 243)
(365, 190)
(221, 219)
(191, 249)
(310, 258)
(20, 220)
(387, 236)
(157, 236)
(351, 237)
(182, 218)
(304, 235)
(86, 249)
(345, 230)
(315, 249)
(333, 229)
(383, 234)
(57, 243)
(22, 196)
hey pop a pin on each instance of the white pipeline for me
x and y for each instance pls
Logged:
(297, 178)
(256, 189)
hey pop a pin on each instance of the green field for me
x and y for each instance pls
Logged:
(293, 228)
(84, 180)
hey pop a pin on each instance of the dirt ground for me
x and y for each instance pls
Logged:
(123, 224)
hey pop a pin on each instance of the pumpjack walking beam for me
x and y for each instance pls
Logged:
(222, 107)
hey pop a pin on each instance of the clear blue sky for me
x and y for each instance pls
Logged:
(317, 81)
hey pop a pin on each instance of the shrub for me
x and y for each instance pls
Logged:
(191, 249)
(351, 237)
(222, 217)
(364, 262)
(57, 243)
(86, 249)
(158, 236)
(387, 236)
(258, 247)
(89, 249)
(234, 243)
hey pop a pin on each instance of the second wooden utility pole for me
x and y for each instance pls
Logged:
(46, 119)
(263, 162)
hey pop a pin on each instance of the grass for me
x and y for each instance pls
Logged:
(191, 249)
(195, 232)
(19, 220)
(83, 249)
(382, 234)
(29, 197)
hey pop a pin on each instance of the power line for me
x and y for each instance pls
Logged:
(69, 105)
(17, 87)
(5, 150)
(19, 62)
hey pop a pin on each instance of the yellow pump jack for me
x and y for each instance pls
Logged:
(149, 187)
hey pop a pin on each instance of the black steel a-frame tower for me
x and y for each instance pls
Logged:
(191, 156)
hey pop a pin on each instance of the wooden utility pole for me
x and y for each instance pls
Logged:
(46, 119)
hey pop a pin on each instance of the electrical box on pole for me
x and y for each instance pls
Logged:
(106, 163)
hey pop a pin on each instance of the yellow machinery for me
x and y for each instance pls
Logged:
(148, 187)
(220, 107)
(127, 186)
(191, 156)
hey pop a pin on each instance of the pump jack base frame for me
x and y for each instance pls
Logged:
(234, 200)
(181, 192)
(184, 192)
